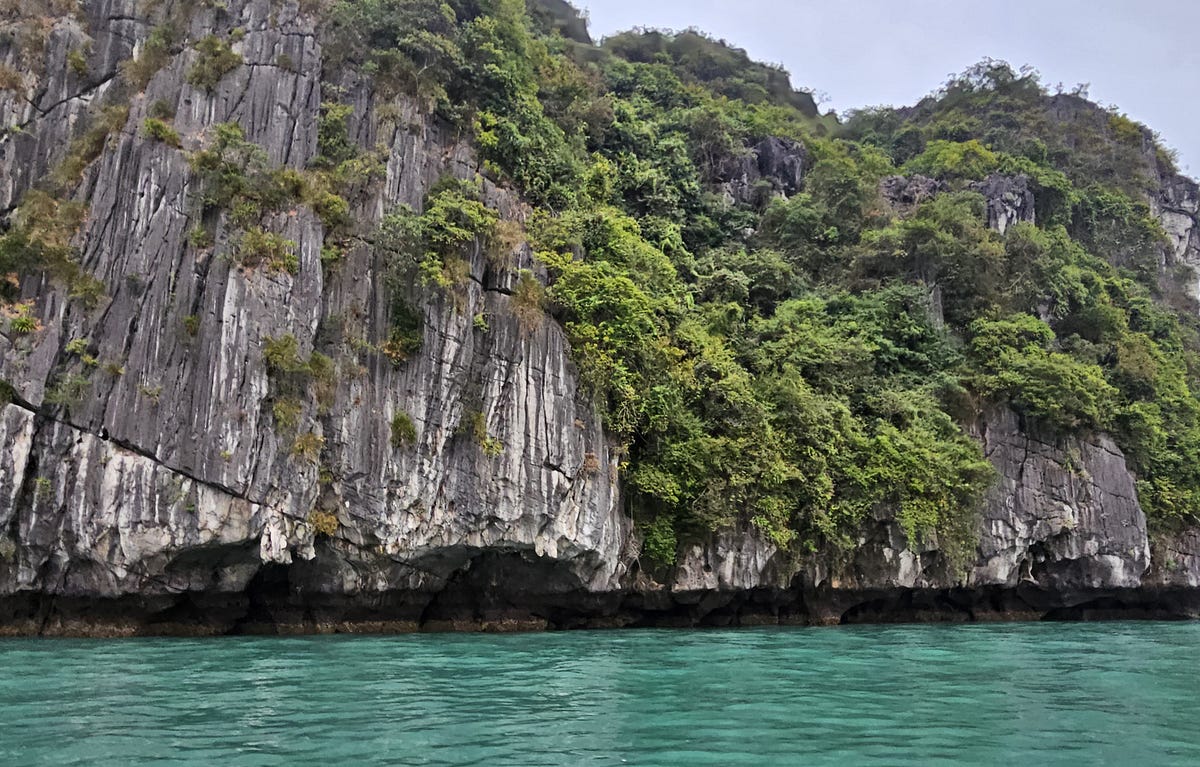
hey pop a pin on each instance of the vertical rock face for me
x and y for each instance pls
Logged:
(38, 121)
(1176, 561)
(170, 472)
(1064, 514)
(1061, 528)
(147, 477)
(1178, 209)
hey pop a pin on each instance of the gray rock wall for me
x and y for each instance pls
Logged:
(1178, 209)
(171, 473)
(37, 122)
(1064, 514)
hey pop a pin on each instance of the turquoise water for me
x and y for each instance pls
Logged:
(1037, 694)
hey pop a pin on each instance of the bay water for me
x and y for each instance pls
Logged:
(1012, 694)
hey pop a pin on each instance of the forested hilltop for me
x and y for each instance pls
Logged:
(800, 354)
(370, 223)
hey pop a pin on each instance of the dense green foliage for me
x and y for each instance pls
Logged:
(1073, 322)
(1011, 112)
(725, 70)
(801, 363)
(433, 243)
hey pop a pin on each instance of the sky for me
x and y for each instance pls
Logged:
(1141, 55)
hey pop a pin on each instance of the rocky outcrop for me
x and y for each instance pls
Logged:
(1060, 528)
(149, 482)
(1175, 201)
(1176, 561)
(904, 194)
(1178, 210)
(1009, 200)
(1061, 535)
(1064, 514)
(563, 18)
(774, 166)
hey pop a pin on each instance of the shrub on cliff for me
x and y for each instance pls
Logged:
(216, 59)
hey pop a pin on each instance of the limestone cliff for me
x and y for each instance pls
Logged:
(148, 484)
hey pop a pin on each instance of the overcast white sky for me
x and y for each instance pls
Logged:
(1142, 55)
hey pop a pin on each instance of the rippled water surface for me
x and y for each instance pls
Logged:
(1036, 694)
